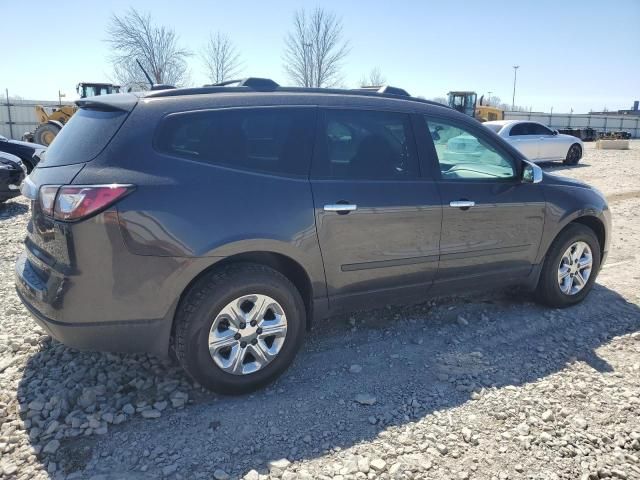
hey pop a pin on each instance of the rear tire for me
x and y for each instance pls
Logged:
(573, 155)
(206, 303)
(549, 291)
(45, 133)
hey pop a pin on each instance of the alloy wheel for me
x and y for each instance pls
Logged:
(575, 268)
(247, 334)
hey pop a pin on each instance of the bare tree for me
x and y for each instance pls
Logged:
(220, 58)
(442, 100)
(132, 37)
(315, 49)
(374, 79)
(492, 101)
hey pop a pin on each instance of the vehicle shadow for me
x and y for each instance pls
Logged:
(11, 209)
(559, 166)
(414, 360)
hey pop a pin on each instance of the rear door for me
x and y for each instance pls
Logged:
(523, 136)
(378, 221)
(492, 222)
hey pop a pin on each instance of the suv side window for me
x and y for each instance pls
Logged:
(365, 144)
(271, 140)
(465, 156)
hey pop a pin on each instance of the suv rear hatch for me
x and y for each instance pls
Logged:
(80, 141)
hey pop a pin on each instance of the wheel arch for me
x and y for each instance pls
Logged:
(596, 225)
(591, 222)
(284, 264)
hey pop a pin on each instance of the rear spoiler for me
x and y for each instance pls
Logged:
(114, 102)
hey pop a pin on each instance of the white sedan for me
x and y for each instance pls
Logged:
(538, 142)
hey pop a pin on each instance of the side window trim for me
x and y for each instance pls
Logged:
(434, 161)
(318, 172)
(428, 158)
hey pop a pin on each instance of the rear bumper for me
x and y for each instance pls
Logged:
(127, 336)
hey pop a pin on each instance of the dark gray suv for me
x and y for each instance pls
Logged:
(221, 222)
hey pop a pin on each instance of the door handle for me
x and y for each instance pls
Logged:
(340, 208)
(463, 204)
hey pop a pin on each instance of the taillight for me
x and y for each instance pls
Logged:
(47, 198)
(75, 202)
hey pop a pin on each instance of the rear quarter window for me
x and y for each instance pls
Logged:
(83, 137)
(270, 140)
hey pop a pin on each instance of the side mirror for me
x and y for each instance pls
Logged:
(555, 132)
(531, 173)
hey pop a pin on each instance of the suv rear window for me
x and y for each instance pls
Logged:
(83, 137)
(271, 140)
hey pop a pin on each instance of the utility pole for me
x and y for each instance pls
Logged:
(515, 75)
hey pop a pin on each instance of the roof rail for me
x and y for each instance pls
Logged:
(161, 86)
(255, 83)
(384, 89)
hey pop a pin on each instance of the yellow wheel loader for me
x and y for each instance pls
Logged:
(49, 124)
(466, 102)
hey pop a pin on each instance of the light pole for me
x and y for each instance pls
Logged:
(515, 75)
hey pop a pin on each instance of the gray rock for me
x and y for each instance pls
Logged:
(251, 475)
(220, 474)
(365, 399)
(151, 413)
(51, 447)
(281, 463)
(169, 469)
(580, 422)
(9, 469)
(378, 464)
(355, 368)
(87, 398)
(36, 405)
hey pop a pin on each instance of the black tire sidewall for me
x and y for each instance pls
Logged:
(567, 160)
(196, 357)
(550, 290)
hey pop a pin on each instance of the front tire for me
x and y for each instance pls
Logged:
(574, 154)
(570, 267)
(239, 328)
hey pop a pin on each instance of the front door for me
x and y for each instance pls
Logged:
(492, 222)
(549, 147)
(378, 221)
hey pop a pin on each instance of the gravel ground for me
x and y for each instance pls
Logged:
(477, 387)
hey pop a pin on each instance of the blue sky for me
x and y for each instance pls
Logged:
(575, 54)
